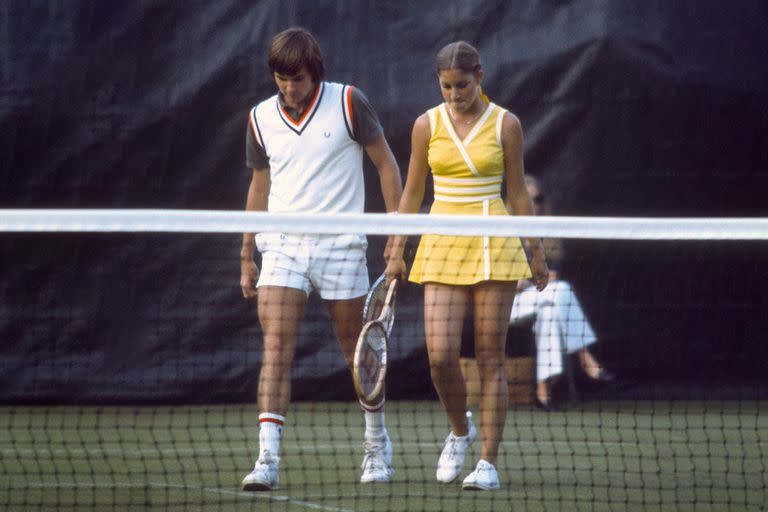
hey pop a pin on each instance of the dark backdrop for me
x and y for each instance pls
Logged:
(651, 108)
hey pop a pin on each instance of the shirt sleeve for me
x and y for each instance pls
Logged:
(255, 154)
(366, 123)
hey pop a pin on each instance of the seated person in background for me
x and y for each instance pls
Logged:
(560, 324)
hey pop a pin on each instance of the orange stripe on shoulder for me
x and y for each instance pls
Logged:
(349, 108)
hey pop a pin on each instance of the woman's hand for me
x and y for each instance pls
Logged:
(396, 269)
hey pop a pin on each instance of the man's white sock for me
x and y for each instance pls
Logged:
(375, 425)
(270, 433)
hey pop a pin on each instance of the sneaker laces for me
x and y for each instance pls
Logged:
(452, 442)
(266, 459)
(484, 467)
(374, 455)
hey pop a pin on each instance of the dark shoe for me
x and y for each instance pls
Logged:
(605, 376)
(546, 406)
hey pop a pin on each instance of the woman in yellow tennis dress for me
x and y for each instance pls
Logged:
(471, 146)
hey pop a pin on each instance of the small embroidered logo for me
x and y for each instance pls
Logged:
(327, 135)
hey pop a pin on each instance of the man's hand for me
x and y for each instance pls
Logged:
(249, 275)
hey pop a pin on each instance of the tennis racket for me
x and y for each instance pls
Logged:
(374, 302)
(370, 361)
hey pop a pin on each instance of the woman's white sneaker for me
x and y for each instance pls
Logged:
(483, 478)
(452, 457)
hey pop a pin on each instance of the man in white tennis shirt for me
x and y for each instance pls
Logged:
(305, 145)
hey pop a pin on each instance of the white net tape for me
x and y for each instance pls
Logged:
(221, 221)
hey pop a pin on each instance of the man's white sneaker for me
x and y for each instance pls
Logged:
(265, 475)
(377, 463)
(452, 457)
(483, 478)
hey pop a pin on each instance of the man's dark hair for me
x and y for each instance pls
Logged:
(293, 49)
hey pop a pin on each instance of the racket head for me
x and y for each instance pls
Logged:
(369, 367)
(374, 301)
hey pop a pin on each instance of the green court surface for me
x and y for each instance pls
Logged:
(597, 456)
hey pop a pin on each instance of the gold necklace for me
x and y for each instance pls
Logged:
(453, 117)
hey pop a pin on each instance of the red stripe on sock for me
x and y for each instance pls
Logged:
(271, 420)
(372, 409)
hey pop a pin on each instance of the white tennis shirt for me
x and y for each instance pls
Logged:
(315, 164)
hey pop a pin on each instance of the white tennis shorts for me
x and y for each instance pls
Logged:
(334, 265)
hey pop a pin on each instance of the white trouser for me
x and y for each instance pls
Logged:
(560, 324)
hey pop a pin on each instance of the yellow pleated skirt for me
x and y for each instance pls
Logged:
(467, 260)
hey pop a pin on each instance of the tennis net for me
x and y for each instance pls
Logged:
(130, 363)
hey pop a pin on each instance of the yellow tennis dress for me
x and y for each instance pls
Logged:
(467, 176)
